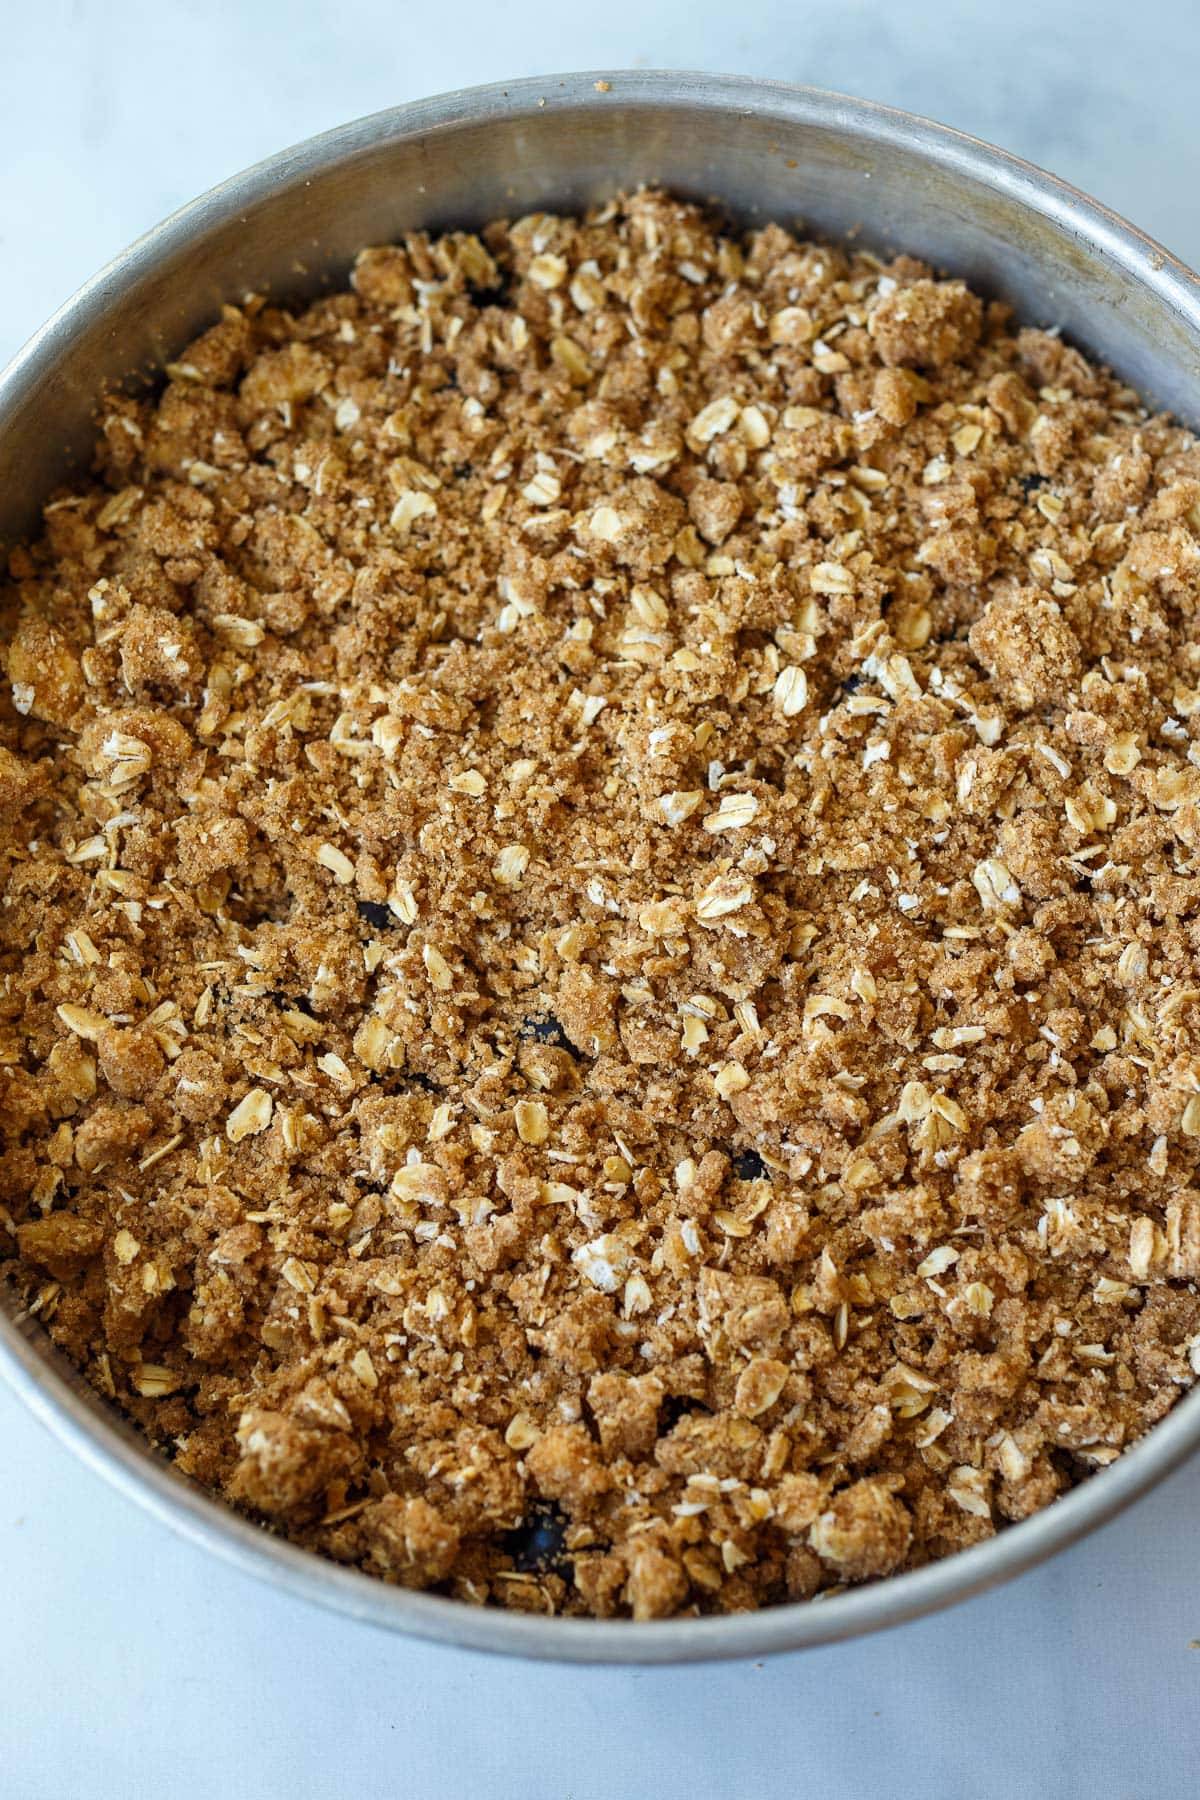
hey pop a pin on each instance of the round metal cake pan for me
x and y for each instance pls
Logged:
(761, 150)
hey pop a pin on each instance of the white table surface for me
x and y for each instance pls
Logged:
(130, 1663)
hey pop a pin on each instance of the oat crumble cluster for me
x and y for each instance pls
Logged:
(601, 959)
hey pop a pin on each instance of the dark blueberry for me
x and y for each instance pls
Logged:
(676, 1407)
(748, 1165)
(852, 682)
(298, 1002)
(546, 1030)
(496, 295)
(375, 914)
(539, 1542)
(1031, 483)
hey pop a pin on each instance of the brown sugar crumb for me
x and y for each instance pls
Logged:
(600, 936)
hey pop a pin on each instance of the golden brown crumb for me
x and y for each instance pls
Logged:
(601, 1004)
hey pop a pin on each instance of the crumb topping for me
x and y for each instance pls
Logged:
(600, 952)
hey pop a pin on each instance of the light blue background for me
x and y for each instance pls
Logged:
(132, 1665)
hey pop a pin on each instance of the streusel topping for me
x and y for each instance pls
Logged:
(601, 976)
